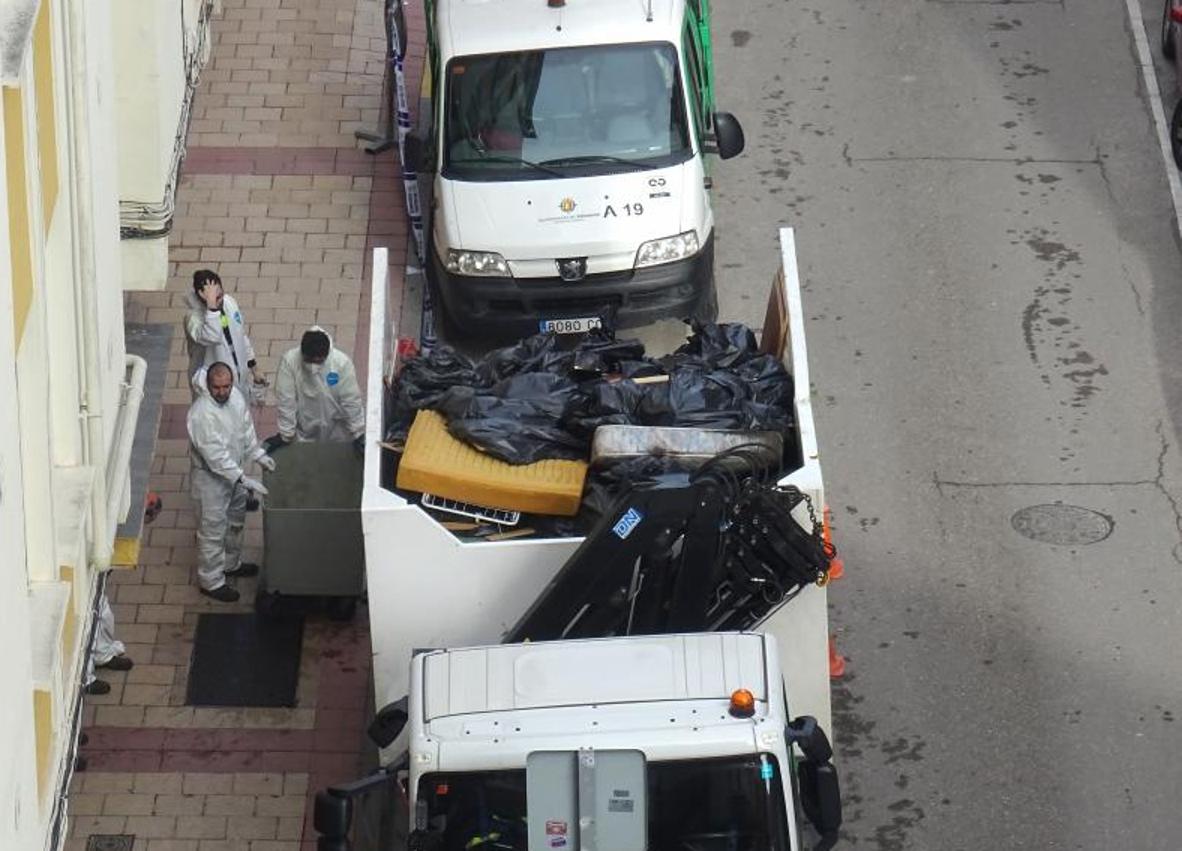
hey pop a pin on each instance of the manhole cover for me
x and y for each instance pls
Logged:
(1062, 524)
(109, 842)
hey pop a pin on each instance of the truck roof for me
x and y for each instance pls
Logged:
(471, 27)
(700, 666)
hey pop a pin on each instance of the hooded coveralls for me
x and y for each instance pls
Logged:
(218, 335)
(222, 440)
(319, 401)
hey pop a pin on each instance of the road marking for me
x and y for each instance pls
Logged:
(1149, 76)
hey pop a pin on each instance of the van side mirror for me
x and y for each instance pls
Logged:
(729, 134)
(820, 792)
(389, 721)
(332, 817)
(806, 733)
(820, 796)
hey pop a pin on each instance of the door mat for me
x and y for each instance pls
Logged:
(245, 660)
(110, 842)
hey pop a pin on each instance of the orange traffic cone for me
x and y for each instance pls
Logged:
(836, 660)
(836, 565)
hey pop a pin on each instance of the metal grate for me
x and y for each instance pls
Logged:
(110, 842)
(466, 509)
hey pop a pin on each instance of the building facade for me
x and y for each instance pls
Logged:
(95, 97)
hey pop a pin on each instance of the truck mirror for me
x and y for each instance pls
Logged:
(729, 133)
(820, 796)
(413, 149)
(806, 733)
(332, 816)
(388, 723)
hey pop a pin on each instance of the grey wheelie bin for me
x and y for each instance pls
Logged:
(312, 541)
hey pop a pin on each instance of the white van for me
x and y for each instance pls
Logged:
(566, 148)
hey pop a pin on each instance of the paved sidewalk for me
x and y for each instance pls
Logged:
(279, 199)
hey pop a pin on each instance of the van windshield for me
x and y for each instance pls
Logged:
(728, 804)
(541, 114)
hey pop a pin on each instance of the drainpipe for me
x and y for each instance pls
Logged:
(90, 403)
(119, 465)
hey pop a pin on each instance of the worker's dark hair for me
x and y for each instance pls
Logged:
(218, 366)
(314, 344)
(202, 277)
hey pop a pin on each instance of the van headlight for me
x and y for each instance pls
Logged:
(477, 263)
(668, 249)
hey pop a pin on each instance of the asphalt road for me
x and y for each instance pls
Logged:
(992, 283)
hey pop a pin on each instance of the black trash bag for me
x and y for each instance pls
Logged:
(694, 398)
(603, 403)
(533, 354)
(600, 353)
(516, 438)
(640, 368)
(423, 381)
(516, 420)
(719, 345)
(769, 382)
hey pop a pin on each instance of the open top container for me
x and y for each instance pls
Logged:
(427, 589)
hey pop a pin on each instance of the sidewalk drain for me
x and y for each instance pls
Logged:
(110, 842)
(1066, 525)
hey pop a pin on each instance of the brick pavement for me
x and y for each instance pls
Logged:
(279, 199)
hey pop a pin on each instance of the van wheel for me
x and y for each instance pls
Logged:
(445, 329)
(1167, 32)
(1176, 134)
(707, 309)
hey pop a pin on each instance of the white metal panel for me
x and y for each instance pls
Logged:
(469, 681)
(598, 672)
(436, 686)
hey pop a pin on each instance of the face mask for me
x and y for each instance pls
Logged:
(314, 368)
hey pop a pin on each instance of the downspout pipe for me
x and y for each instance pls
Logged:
(90, 404)
(119, 467)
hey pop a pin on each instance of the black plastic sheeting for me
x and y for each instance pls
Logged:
(534, 400)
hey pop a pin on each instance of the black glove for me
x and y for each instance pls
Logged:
(274, 443)
(359, 446)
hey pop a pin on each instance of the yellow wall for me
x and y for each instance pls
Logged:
(43, 730)
(70, 627)
(46, 116)
(18, 209)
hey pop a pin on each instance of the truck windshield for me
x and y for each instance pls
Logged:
(728, 804)
(541, 114)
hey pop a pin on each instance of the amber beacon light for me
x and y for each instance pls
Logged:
(742, 703)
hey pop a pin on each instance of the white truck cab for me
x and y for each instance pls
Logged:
(565, 147)
(681, 742)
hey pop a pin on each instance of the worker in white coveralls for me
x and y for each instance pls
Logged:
(216, 331)
(317, 394)
(107, 651)
(222, 441)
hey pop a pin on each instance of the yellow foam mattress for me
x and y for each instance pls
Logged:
(437, 463)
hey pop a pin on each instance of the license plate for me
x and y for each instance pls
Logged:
(570, 326)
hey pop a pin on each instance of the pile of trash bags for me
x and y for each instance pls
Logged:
(536, 400)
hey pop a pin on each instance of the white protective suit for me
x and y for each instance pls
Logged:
(207, 341)
(319, 401)
(106, 646)
(222, 441)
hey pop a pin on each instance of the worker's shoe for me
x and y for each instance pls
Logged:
(223, 594)
(118, 663)
(97, 687)
(245, 569)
